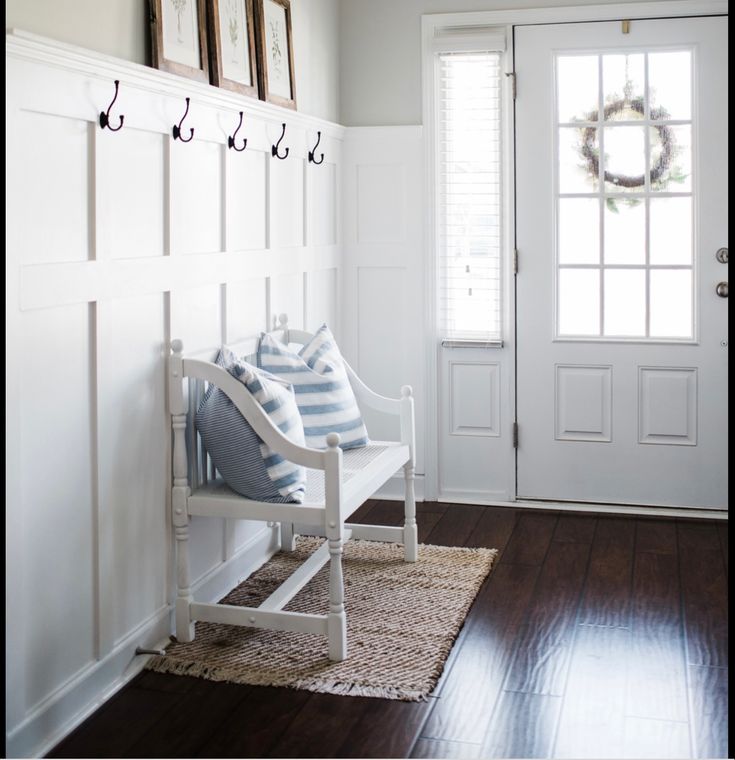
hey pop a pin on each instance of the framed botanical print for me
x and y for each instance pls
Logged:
(179, 37)
(232, 45)
(275, 52)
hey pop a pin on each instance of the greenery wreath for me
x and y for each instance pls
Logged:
(592, 156)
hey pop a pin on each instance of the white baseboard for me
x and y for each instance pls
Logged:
(61, 712)
(393, 489)
(482, 498)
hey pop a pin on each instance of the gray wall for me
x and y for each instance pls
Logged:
(120, 28)
(381, 54)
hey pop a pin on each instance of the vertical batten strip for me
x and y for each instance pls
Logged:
(102, 516)
(169, 585)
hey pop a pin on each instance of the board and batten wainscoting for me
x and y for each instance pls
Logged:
(116, 243)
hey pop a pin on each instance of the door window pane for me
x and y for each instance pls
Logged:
(623, 85)
(671, 303)
(671, 230)
(625, 302)
(625, 159)
(670, 85)
(578, 87)
(671, 158)
(579, 302)
(625, 231)
(579, 158)
(579, 231)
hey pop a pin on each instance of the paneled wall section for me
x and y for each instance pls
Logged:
(116, 243)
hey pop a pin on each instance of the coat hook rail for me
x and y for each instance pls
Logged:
(105, 115)
(177, 128)
(313, 150)
(231, 140)
(274, 148)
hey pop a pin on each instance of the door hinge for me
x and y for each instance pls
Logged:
(515, 261)
(512, 76)
(515, 435)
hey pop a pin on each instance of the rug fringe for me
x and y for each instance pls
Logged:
(324, 686)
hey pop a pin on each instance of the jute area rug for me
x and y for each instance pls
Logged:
(402, 619)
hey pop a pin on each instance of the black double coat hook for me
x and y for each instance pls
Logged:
(274, 148)
(177, 127)
(231, 140)
(311, 152)
(105, 115)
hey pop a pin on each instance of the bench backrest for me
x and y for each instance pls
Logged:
(201, 469)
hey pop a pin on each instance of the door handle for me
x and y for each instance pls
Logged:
(721, 289)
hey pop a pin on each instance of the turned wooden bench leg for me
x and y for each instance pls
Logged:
(288, 537)
(410, 529)
(337, 619)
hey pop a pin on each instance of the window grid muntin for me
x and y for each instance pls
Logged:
(645, 196)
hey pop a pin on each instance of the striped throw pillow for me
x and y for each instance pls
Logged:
(247, 465)
(323, 391)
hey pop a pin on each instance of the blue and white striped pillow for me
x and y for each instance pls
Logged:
(323, 391)
(249, 466)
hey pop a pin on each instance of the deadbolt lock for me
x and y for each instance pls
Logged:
(721, 255)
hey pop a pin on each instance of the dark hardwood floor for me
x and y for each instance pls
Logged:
(593, 637)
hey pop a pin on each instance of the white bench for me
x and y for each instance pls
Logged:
(337, 484)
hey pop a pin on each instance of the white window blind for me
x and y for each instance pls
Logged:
(469, 202)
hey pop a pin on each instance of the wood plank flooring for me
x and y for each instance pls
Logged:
(595, 636)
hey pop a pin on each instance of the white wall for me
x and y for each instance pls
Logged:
(120, 28)
(381, 54)
(118, 242)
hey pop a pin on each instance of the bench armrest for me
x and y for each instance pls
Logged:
(254, 414)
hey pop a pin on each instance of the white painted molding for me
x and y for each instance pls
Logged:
(578, 13)
(32, 47)
(85, 281)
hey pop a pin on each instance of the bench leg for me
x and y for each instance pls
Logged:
(410, 531)
(288, 537)
(184, 626)
(336, 620)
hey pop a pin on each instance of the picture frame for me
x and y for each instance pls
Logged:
(232, 58)
(274, 47)
(179, 38)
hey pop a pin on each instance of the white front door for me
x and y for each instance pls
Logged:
(621, 182)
